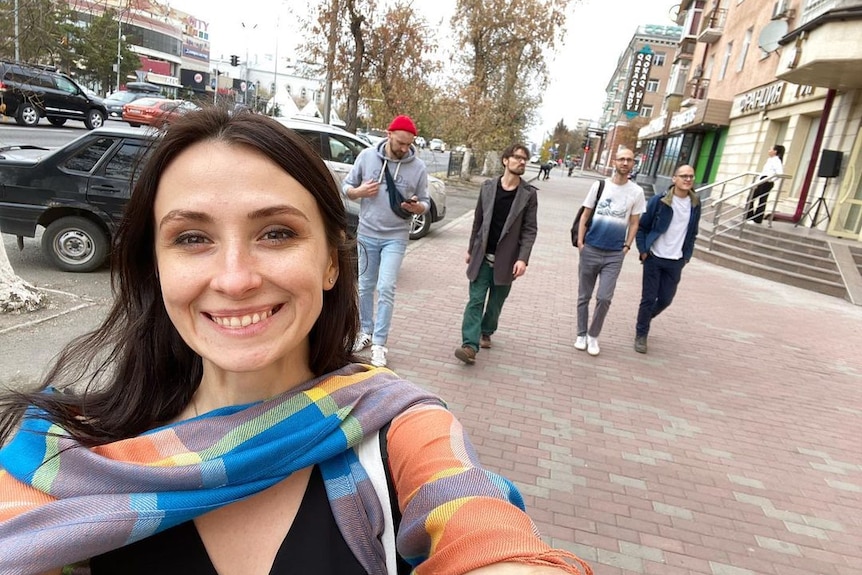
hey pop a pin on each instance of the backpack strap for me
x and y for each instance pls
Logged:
(374, 458)
(403, 568)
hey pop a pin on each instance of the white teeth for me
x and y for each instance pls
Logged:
(241, 321)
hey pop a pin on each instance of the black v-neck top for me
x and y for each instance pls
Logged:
(313, 545)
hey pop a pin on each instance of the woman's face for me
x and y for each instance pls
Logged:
(243, 259)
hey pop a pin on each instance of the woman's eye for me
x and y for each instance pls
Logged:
(278, 235)
(190, 238)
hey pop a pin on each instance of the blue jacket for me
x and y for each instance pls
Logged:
(656, 219)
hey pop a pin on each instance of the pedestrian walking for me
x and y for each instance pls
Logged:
(223, 426)
(759, 195)
(665, 241)
(604, 246)
(504, 230)
(391, 184)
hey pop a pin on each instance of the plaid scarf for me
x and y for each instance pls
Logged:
(61, 503)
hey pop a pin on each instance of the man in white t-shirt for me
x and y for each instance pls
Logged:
(665, 240)
(604, 245)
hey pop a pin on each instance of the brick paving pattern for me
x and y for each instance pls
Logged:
(734, 447)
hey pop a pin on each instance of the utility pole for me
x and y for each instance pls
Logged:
(119, 46)
(330, 61)
(17, 35)
(247, 31)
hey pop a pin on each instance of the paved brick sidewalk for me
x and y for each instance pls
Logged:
(733, 448)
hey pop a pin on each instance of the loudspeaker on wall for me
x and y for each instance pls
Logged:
(830, 164)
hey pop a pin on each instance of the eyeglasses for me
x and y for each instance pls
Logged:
(685, 176)
(519, 158)
(625, 160)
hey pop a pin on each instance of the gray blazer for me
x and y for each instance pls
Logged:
(516, 239)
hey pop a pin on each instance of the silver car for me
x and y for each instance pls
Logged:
(339, 149)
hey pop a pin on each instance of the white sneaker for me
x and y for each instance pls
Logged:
(581, 343)
(592, 345)
(363, 340)
(378, 355)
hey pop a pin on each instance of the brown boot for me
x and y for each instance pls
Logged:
(466, 354)
(485, 341)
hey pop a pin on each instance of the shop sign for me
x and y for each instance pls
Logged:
(760, 98)
(638, 79)
(163, 80)
(683, 118)
(655, 127)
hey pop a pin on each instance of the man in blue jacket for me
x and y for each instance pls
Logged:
(665, 240)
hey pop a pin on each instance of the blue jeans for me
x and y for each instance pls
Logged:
(379, 262)
(660, 279)
(604, 266)
(481, 318)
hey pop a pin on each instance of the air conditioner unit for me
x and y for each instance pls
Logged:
(697, 72)
(781, 10)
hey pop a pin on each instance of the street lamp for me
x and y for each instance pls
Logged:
(247, 29)
(119, 45)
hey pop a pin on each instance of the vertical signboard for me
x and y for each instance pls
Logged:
(638, 79)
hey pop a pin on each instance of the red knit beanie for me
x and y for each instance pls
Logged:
(402, 123)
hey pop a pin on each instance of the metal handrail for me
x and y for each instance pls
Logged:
(736, 218)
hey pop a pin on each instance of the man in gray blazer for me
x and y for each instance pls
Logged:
(504, 230)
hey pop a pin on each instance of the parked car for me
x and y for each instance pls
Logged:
(534, 159)
(437, 145)
(339, 150)
(420, 142)
(29, 92)
(76, 192)
(134, 91)
(156, 111)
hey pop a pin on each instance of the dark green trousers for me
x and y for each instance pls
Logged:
(483, 309)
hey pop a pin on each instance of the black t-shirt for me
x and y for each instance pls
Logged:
(502, 205)
(314, 544)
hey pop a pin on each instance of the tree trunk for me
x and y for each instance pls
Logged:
(16, 295)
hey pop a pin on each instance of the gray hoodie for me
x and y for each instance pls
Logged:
(376, 218)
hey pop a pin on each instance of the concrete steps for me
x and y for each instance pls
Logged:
(791, 258)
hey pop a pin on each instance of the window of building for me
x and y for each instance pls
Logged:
(658, 59)
(725, 62)
(652, 85)
(646, 111)
(746, 42)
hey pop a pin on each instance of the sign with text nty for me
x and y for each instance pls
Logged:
(638, 79)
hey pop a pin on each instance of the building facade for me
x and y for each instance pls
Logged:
(635, 90)
(760, 73)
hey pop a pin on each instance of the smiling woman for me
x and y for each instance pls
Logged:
(222, 425)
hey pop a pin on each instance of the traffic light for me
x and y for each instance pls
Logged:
(234, 60)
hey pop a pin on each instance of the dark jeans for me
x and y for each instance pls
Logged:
(759, 195)
(482, 313)
(660, 279)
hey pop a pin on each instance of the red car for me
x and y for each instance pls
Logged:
(155, 111)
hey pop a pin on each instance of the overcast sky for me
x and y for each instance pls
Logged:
(597, 32)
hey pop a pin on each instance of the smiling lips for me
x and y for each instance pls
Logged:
(244, 320)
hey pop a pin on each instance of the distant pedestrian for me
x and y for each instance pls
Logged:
(391, 183)
(665, 240)
(504, 230)
(759, 195)
(604, 246)
(550, 164)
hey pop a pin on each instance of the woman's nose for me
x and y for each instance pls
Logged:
(237, 272)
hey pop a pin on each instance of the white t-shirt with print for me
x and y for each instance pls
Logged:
(612, 214)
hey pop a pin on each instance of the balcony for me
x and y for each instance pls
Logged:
(826, 52)
(713, 26)
(697, 89)
(685, 49)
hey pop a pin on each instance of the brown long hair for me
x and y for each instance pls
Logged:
(135, 372)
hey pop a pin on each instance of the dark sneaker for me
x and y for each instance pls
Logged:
(485, 341)
(466, 354)
(640, 344)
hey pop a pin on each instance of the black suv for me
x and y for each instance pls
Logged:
(29, 92)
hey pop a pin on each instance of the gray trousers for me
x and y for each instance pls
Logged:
(605, 266)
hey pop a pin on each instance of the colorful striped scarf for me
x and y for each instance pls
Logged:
(61, 503)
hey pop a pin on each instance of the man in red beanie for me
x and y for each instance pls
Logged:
(391, 184)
